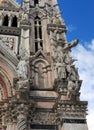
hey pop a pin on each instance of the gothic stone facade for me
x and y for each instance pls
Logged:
(39, 83)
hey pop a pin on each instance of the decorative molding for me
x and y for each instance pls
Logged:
(52, 127)
(10, 31)
(42, 118)
(74, 121)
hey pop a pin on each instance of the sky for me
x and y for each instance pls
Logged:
(79, 19)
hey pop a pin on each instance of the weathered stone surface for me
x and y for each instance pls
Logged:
(68, 126)
(39, 83)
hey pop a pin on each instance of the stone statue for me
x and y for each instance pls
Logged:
(56, 20)
(60, 70)
(22, 118)
(73, 88)
(22, 69)
(23, 16)
(73, 82)
(73, 73)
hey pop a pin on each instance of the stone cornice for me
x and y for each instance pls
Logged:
(10, 30)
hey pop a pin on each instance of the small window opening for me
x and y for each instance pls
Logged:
(38, 33)
(35, 32)
(36, 46)
(41, 44)
(6, 21)
(14, 22)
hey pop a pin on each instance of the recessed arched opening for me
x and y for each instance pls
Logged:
(14, 22)
(6, 20)
(3, 89)
(42, 74)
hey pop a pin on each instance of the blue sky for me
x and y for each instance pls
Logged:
(79, 19)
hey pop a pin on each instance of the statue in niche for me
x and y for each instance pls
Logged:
(22, 69)
(40, 75)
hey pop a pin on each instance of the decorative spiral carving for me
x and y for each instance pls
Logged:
(22, 124)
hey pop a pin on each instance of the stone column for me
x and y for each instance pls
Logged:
(22, 122)
(18, 22)
(3, 123)
(22, 118)
(1, 19)
(10, 20)
(9, 126)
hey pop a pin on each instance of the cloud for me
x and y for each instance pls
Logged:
(71, 28)
(85, 55)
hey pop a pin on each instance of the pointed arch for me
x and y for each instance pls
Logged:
(41, 72)
(39, 12)
(7, 74)
(6, 20)
(14, 21)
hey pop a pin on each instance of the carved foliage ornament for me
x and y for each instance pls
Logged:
(44, 118)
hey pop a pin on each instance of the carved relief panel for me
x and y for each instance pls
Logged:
(11, 42)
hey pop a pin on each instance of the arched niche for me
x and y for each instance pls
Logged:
(14, 22)
(41, 74)
(5, 20)
(7, 74)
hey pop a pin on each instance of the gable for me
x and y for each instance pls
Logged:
(9, 4)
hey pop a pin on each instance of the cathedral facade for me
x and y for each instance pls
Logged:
(39, 83)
